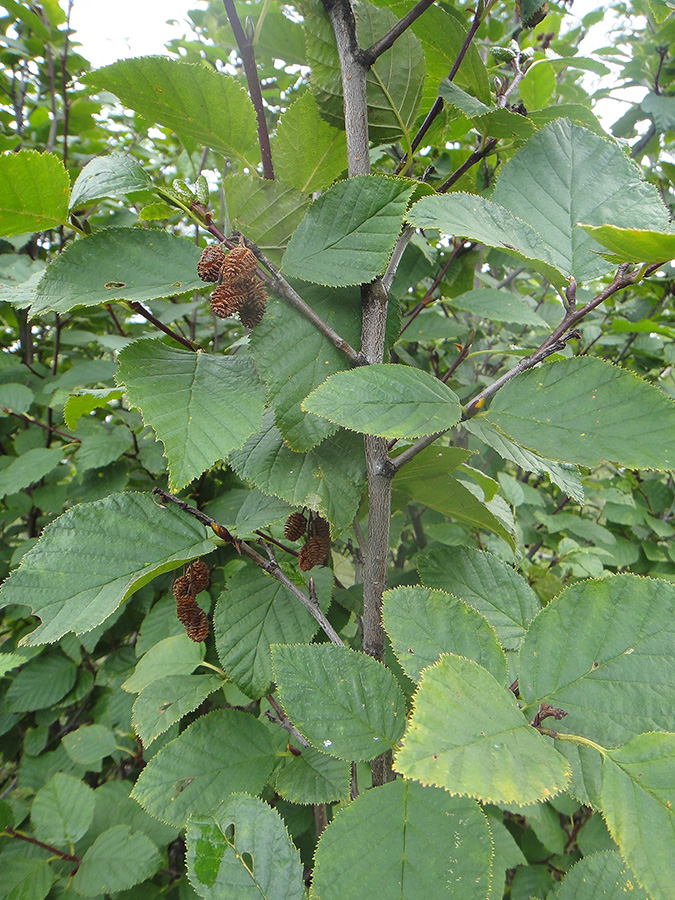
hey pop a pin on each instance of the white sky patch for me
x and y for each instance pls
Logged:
(125, 28)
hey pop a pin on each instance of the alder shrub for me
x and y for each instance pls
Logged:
(338, 431)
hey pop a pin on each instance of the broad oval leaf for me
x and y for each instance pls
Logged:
(200, 405)
(349, 233)
(584, 411)
(256, 861)
(62, 810)
(498, 306)
(293, 358)
(191, 99)
(487, 584)
(345, 703)
(118, 264)
(409, 830)
(600, 875)
(221, 753)
(28, 468)
(468, 736)
(329, 478)
(41, 683)
(174, 655)
(638, 803)
(391, 401)
(614, 672)
(309, 154)
(422, 624)
(166, 700)
(313, 777)
(118, 859)
(34, 189)
(96, 555)
(565, 175)
(108, 176)
(254, 612)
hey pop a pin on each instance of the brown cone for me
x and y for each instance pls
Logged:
(197, 627)
(253, 308)
(198, 573)
(240, 262)
(182, 589)
(212, 258)
(227, 298)
(295, 527)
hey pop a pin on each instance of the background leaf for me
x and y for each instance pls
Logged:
(468, 736)
(118, 859)
(108, 176)
(166, 700)
(313, 777)
(309, 154)
(258, 860)
(487, 584)
(614, 672)
(221, 753)
(409, 829)
(344, 703)
(498, 306)
(34, 189)
(603, 874)
(585, 410)
(349, 233)
(191, 99)
(96, 555)
(422, 624)
(62, 811)
(118, 264)
(200, 405)
(638, 799)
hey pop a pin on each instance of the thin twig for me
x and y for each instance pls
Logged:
(463, 353)
(53, 850)
(437, 108)
(108, 306)
(283, 720)
(369, 55)
(470, 161)
(142, 311)
(271, 566)
(271, 540)
(251, 71)
(399, 249)
(428, 297)
(29, 420)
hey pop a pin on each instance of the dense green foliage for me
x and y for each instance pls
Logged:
(451, 671)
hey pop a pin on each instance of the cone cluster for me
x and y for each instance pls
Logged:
(185, 589)
(239, 290)
(315, 552)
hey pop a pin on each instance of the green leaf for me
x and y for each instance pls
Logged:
(468, 215)
(442, 31)
(661, 109)
(118, 859)
(221, 753)
(500, 123)
(619, 634)
(422, 624)
(34, 189)
(293, 358)
(89, 744)
(175, 655)
(498, 306)
(15, 397)
(26, 878)
(345, 703)
(583, 178)
(62, 810)
(638, 799)
(349, 233)
(487, 584)
(313, 777)
(328, 478)
(118, 264)
(398, 73)
(102, 444)
(200, 405)
(468, 736)
(431, 466)
(96, 555)
(108, 176)
(599, 875)
(538, 87)
(564, 475)
(253, 613)
(255, 861)
(584, 411)
(166, 700)
(634, 244)
(82, 404)
(267, 212)
(422, 844)
(387, 400)
(41, 683)
(193, 100)
(309, 154)
(28, 468)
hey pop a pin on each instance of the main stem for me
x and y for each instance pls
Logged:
(374, 318)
